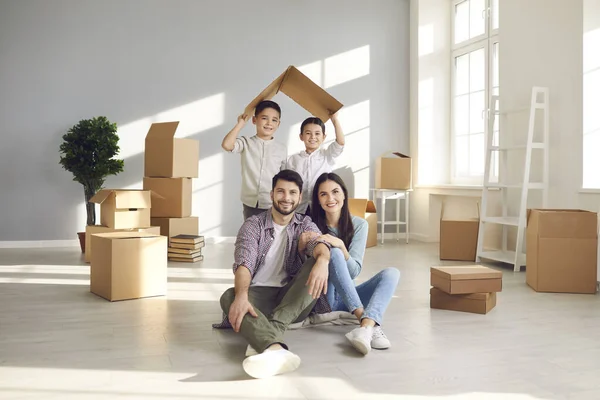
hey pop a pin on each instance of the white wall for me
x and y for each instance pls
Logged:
(199, 62)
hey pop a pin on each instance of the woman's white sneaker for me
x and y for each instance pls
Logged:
(379, 341)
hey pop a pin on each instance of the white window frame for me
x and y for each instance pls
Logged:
(486, 42)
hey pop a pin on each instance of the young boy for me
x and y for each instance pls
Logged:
(313, 161)
(262, 157)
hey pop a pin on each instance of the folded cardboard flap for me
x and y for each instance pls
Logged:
(400, 155)
(131, 199)
(563, 223)
(126, 235)
(162, 130)
(360, 207)
(443, 216)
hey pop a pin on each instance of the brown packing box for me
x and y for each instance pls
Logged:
(393, 172)
(93, 229)
(176, 226)
(458, 238)
(303, 91)
(466, 279)
(128, 265)
(175, 196)
(169, 157)
(123, 209)
(562, 250)
(364, 208)
(478, 303)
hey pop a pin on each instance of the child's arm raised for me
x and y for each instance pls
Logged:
(339, 133)
(229, 139)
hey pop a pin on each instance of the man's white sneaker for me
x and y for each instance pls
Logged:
(250, 351)
(379, 341)
(360, 338)
(270, 363)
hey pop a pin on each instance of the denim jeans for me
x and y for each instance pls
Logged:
(376, 293)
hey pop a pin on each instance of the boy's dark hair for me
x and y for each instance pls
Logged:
(290, 176)
(312, 120)
(267, 104)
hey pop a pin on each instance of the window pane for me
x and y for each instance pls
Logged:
(477, 70)
(461, 115)
(476, 155)
(477, 18)
(476, 107)
(461, 22)
(495, 65)
(495, 14)
(462, 74)
(461, 154)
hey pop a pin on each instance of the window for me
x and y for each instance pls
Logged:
(591, 102)
(474, 79)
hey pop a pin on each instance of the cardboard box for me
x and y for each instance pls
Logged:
(176, 226)
(168, 157)
(93, 229)
(364, 208)
(303, 91)
(393, 172)
(562, 250)
(478, 303)
(458, 238)
(128, 265)
(466, 279)
(175, 196)
(123, 209)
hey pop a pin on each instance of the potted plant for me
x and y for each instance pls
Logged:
(87, 152)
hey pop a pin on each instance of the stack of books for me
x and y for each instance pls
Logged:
(186, 248)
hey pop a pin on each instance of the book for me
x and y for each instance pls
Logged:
(190, 260)
(186, 239)
(184, 251)
(186, 246)
(183, 255)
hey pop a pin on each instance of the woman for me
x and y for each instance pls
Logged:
(347, 235)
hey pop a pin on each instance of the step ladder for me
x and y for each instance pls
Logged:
(501, 150)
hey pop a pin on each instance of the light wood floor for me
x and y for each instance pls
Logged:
(58, 341)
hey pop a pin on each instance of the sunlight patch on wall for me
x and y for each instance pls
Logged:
(314, 71)
(347, 66)
(207, 194)
(425, 40)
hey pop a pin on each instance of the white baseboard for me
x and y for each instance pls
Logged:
(25, 244)
(413, 236)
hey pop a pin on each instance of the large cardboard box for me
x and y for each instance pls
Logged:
(302, 90)
(562, 250)
(170, 227)
(393, 172)
(123, 209)
(169, 157)
(466, 279)
(128, 265)
(364, 208)
(93, 229)
(458, 238)
(175, 196)
(478, 303)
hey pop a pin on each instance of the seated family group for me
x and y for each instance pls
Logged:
(290, 264)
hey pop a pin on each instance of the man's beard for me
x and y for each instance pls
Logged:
(282, 212)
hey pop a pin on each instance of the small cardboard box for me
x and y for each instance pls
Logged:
(168, 157)
(123, 209)
(93, 229)
(175, 196)
(478, 303)
(302, 90)
(562, 250)
(128, 265)
(393, 172)
(466, 279)
(458, 238)
(176, 226)
(364, 208)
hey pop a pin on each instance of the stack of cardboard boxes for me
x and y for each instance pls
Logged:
(169, 166)
(465, 288)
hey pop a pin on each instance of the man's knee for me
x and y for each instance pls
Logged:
(227, 299)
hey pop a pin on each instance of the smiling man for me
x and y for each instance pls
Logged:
(273, 286)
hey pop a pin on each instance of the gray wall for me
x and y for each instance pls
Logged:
(65, 60)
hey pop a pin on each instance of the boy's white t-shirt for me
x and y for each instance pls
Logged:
(272, 272)
(311, 166)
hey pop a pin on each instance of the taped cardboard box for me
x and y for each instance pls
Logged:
(458, 237)
(302, 90)
(128, 265)
(478, 303)
(168, 157)
(175, 199)
(466, 279)
(93, 229)
(393, 171)
(365, 209)
(123, 209)
(170, 227)
(562, 250)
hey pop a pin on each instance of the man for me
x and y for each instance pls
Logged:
(274, 287)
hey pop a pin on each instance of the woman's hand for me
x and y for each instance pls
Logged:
(333, 241)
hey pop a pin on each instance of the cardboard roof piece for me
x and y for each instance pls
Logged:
(303, 91)
(166, 156)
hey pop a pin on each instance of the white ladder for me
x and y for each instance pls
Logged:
(516, 257)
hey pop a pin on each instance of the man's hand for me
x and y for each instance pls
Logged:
(333, 241)
(306, 237)
(239, 308)
(317, 280)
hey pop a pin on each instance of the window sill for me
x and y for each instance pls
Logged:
(451, 187)
(589, 191)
